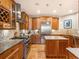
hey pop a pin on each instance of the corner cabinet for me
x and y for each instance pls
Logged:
(15, 52)
(6, 15)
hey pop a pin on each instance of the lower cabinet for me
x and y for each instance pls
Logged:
(35, 39)
(56, 48)
(16, 52)
(71, 56)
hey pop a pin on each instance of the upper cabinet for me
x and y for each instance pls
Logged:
(6, 3)
(37, 21)
(24, 24)
(34, 23)
(7, 17)
(55, 23)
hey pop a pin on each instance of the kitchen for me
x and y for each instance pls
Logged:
(33, 29)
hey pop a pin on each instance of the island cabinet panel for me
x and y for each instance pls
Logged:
(56, 48)
(51, 48)
(15, 52)
(62, 47)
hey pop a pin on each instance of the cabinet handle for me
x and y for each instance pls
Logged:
(12, 53)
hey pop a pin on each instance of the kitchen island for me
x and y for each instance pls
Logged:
(55, 46)
(11, 49)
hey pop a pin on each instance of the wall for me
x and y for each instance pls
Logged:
(74, 18)
(7, 34)
(73, 30)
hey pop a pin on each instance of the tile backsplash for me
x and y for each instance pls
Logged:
(6, 34)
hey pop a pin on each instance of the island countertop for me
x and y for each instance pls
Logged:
(4, 45)
(74, 51)
(55, 38)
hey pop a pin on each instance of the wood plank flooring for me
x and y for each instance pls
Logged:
(37, 51)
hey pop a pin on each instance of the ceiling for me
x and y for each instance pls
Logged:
(49, 7)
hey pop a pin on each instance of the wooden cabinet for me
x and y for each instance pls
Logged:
(15, 52)
(6, 3)
(63, 44)
(51, 48)
(34, 23)
(55, 23)
(71, 40)
(7, 19)
(56, 48)
(13, 15)
(37, 21)
(25, 21)
(71, 56)
(35, 39)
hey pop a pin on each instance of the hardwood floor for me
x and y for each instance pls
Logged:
(37, 51)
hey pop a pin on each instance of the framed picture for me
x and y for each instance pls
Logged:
(68, 24)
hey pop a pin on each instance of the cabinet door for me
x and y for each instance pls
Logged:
(55, 23)
(63, 44)
(25, 21)
(6, 3)
(34, 24)
(13, 55)
(35, 39)
(51, 48)
(71, 56)
(15, 52)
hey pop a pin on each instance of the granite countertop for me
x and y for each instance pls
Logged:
(6, 44)
(55, 38)
(74, 51)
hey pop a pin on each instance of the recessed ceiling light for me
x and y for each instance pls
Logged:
(70, 11)
(54, 11)
(47, 4)
(38, 11)
(36, 4)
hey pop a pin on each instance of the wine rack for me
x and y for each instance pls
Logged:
(4, 18)
(4, 15)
